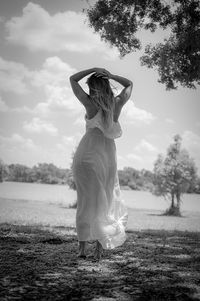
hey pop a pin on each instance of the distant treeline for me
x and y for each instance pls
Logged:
(41, 173)
(129, 178)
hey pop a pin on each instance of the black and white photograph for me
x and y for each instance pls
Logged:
(100, 150)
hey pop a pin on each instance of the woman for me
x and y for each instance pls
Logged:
(101, 214)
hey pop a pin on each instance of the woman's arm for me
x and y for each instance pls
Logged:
(77, 89)
(79, 75)
(125, 94)
(122, 80)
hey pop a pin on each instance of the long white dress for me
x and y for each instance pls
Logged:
(101, 213)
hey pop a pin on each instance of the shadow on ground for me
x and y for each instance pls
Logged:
(40, 264)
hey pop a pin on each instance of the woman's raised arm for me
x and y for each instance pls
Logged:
(125, 94)
(77, 89)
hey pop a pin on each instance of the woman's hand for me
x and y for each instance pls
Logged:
(101, 72)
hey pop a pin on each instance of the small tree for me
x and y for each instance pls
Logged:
(174, 174)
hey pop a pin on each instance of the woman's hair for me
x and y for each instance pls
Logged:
(102, 96)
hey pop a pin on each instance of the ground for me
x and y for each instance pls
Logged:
(38, 263)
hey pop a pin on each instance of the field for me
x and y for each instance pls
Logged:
(38, 264)
(160, 259)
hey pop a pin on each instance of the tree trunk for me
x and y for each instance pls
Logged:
(174, 209)
(172, 204)
(178, 200)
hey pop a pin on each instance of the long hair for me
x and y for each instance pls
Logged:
(102, 96)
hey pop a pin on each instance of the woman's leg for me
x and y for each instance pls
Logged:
(82, 249)
(98, 251)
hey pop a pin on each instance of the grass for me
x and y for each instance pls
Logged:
(41, 264)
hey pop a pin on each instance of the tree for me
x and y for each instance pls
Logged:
(174, 174)
(18, 172)
(70, 179)
(177, 59)
(3, 170)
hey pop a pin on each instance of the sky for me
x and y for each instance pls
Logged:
(42, 43)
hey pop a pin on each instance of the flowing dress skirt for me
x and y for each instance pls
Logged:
(101, 214)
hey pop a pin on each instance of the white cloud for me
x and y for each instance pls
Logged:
(143, 155)
(67, 146)
(22, 110)
(67, 143)
(3, 106)
(38, 30)
(14, 149)
(169, 120)
(191, 141)
(80, 121)
(53, 72)
(145, 146)
(134, 157)
(139, 162)
(39, 126)
(136, 115)
(53, 78)
(15, 143)
(13, 77)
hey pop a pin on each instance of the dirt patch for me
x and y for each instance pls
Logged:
(41, 264)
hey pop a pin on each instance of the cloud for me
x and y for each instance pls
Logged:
(37, 30)
(15, 146)
(53, 72)
(145, 146)
(66, 148)
(136, 115)
(14, 149)
(53, 79)
(80, 121)
(169, 120)
(13, 77)
(67, 143)
(143, 155)
(135, 157)
(191, 141)
(22, 110)
(39, 126)
(3, 106)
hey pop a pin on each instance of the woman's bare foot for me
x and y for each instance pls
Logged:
(81, 253)
(98, 251)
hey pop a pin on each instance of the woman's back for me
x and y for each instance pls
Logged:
(92, 110)
(112, 130)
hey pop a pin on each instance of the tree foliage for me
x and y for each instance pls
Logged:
(174, 174)
(41, 173)
(3, 170)
(70, 179)
(177, 59)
